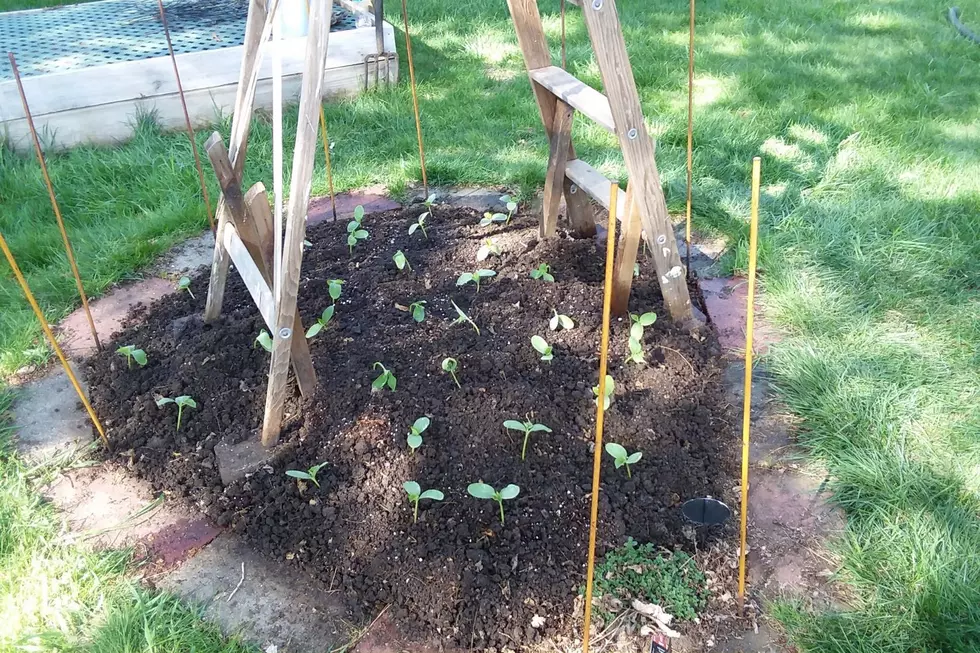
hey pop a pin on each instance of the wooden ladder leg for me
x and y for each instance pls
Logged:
(561, 140)
(629, 244)
(304, 154)
(602, 21)
(258, 27)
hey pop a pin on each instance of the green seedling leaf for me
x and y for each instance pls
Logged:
(542, 347)
(400, 261)
(415, 433)
(527, 428)
(415, 494)
(450, 365)
(182, 402)
(488, 248)
(484, 491)
(562, 321)
(417, 309)
(419, 224)
(636, 352)
(414, 441)
(386, 378)
(609, 390)
(490, 218)
(185, 284)
(510, 492)
(335, 287)
(542, 272)
(264, 340)
(413, 489)
(133, 354)
(435, 495)
(321, 322)
(481, 491)
(620, 455)
(308, 475)
(463, 317)
(636, 269)
(358, 212)
(475, 277)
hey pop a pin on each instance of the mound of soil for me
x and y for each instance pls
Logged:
(458, 575)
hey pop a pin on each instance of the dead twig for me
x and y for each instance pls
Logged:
(242, 580)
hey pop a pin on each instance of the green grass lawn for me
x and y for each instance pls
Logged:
(865, 114)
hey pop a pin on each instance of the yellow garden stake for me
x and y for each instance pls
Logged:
(415, 97)
(600, 411)
(51, 338)
(747, 401)
(690, 135)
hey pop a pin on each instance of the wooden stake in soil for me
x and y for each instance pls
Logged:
(415, 97)
(747, 401)
(54, 202)
(601, 410)
(564, 53)
(187, 116)
(690, 136)
(51, 339)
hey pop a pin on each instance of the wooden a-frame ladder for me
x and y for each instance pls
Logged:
(559, 95)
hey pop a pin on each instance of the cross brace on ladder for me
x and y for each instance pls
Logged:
(560, 96)
(245, 232)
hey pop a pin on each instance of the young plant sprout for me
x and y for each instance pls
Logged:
(511, 206)
(562, 321)
(463, 318)
(488, 248)
(415, 432)
(415, 494)
(264, 340)
(354, 231)
(610, 389)
(419, 224)
(527, 428)
(335, 287)
(417, 309)
(451, 365)
(182, 402)
(636, 269)
(490, 218)
(321, 322)
(308, 475)
(542, 272)
(132, 353)
(484, 491)
(618, 452)
(636, 352)
(542, 347)
(185, 284)
(387, 378)
(474, 277)
(636, 335)
(400, 261)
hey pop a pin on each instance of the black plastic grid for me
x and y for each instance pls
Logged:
(81, 36)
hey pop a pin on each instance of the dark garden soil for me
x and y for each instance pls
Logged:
(457, 576)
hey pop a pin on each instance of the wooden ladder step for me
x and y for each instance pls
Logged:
(583, 97)
(595, 184)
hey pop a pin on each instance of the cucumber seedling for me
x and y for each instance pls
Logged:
(474, 277)
(264, 340)
(415, 432)
(527, 428)
(484, 491)
(132, 354)
(542, 347)
(511, 206)
(542, 272)
(463, 318)
(308, 475)
(450, 365)
(489, 218)
(335, 287)
(488, 248)
(183, 401)
(386, 378)
(419, 225)
(417, 309)
(619, 454)
(639, 322)
(355, 231)
(185, 284)
(321, 322)
(609, 390)
(400, 261)
(562, 321)
(415, 494)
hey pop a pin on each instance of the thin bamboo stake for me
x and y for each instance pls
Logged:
(415, 97)
(690, 136)
(564, 54)
(277, 157)
(326, 143)
(51, 339)
(747, 401)
(54, 202)
(601, 410)
(187, 116)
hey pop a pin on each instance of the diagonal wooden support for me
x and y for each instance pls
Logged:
(554, 180)
(253, 225)
(304, 154)
(629, 243)
(602, 21)
(258, 27)
(534, 46)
